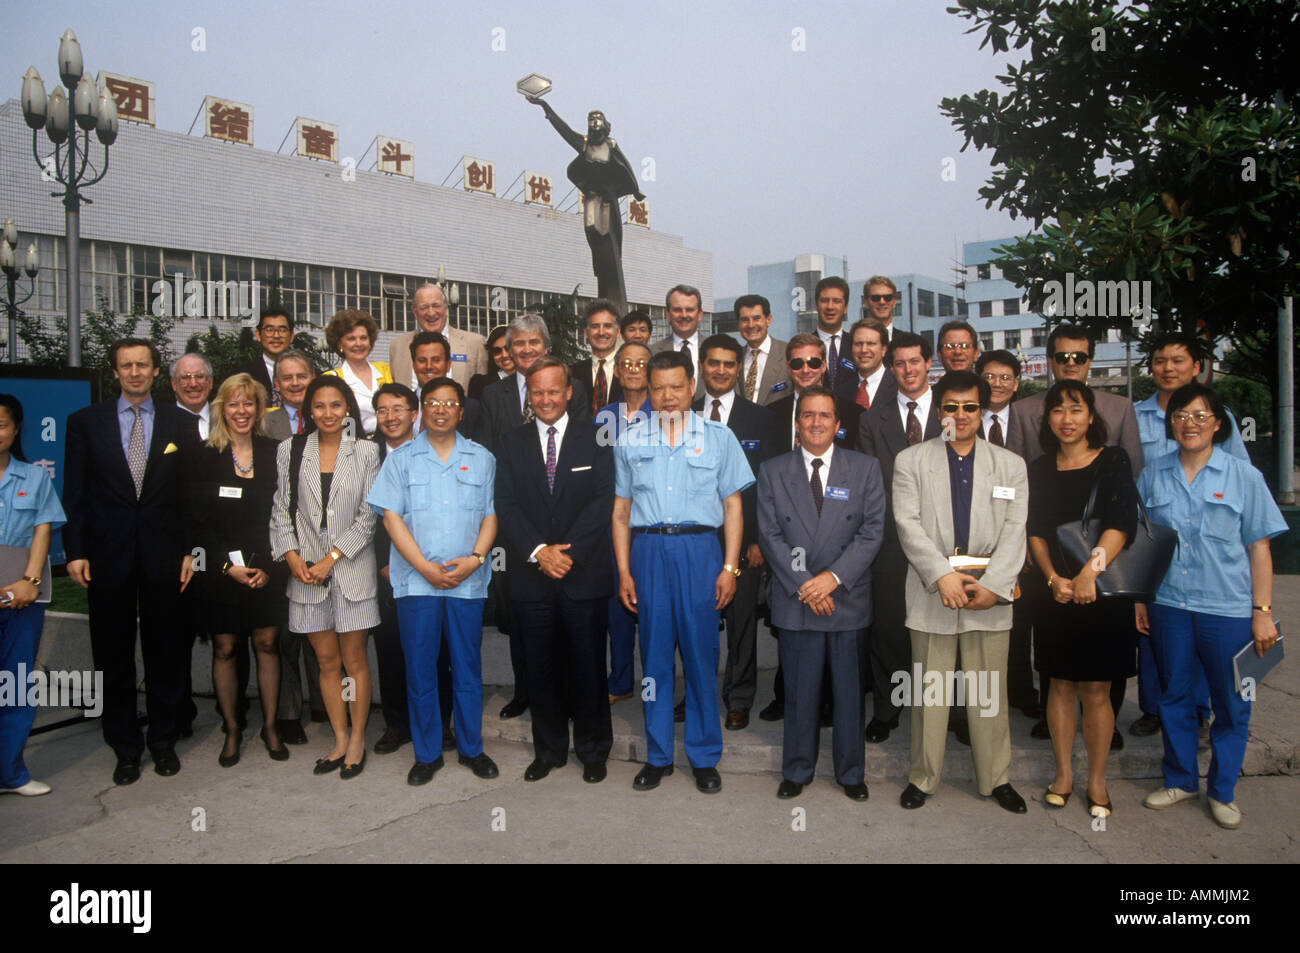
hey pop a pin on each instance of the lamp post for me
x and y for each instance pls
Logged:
(450, 294)
(9, 264)
(61, 115)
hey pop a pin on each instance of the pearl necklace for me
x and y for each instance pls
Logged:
(242, 469)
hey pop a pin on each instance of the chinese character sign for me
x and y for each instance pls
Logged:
(537, 189)
(638, 212)
(229, 120)
(134, 97)
(480, 176)
(396, 157)
(318, 140)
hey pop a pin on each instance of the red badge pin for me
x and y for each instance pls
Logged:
(1218, 496)
(22, 492)
(464, 468)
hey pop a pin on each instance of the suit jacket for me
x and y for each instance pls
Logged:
(577, 512)
(582, 371)
(276, 424)
(256, 369)
(666, 344)
(756, 430)
(1121, 427)
(846, 397)
(502, 412)
(922, 499)
(881, 434)
(798, 544)
(106, 523)
(774, 373)
(468, 355)
(349, 520)
(782, 411)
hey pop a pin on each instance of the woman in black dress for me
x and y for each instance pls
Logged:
(1081, 642)
(231, 483)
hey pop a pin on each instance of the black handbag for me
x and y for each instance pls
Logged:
(1136, 572)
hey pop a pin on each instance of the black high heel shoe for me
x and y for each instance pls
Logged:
(277, 754)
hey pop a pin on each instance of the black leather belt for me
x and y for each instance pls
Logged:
(674, 530)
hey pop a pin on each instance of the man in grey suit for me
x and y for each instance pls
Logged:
(960, 507)
(684, 308)
(468, 352)
(821, 512)
(293, 372)
(764, 365)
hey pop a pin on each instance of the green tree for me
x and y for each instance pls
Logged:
(561, 317)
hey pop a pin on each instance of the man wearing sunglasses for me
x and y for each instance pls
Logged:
(805, 361)
(879, 295)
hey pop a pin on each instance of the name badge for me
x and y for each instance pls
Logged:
(578, 469)
(841, 434)
(1004, 493)
(460, 358)
(836, 493)
(847, 364)
(749, 444)
(777, 388)
(231, 492)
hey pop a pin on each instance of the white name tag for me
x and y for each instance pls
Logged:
(1004, 493)
(579, 469)
(231, 492)
(236, 557)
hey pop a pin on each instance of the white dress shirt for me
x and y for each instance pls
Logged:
(694, 342)
(1003, 416)
(873, 382)
(827, 336)
(825, 458)
(726, 402)
(922, 408)
(560, 426)
(204, 416)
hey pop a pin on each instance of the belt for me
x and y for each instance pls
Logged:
(674, 530)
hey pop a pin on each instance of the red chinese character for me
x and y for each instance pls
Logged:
(229, 122)
(480, 177)
(394, 155)
(132, 99)
(318, 142)
(539, 190)
(637, 212)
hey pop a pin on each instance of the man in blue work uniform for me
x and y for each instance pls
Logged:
(435, 494)
(678, 478)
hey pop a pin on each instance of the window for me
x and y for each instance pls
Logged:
(1038, 337)
(982, 272)
(146, 268)
(945, 306)
(986, 309)
(929, 337)
(986, 341)
(924, 303)
(1011, 306)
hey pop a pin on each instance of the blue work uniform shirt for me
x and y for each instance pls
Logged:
(1151, 431)
(442, 504)
(27, 499)
(1220, 513)
(683, 484)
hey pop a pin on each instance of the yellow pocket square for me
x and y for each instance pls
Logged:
(170, 448)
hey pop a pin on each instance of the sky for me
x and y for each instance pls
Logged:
(772, 129)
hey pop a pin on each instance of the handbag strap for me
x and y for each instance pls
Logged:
(1143, 517)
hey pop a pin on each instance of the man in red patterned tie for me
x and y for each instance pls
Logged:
(1002, 371)
(855, 393)
(600, 324)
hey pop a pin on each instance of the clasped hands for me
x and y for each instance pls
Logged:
(816, 593)
(959, 590)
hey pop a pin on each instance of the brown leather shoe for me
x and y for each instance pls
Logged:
(737, 718)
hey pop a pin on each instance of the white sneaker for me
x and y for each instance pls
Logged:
(1168, 797)
(30, 789)
(1225, 815)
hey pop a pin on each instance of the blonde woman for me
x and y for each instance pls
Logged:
(352, 334)
(231, 481)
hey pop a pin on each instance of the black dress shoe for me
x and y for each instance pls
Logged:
(775, 711)
(277, 754)
(349, 771)
(537, 770)
(187, 730)
(788, 789)
(827, 717)
(1146, 725)
(679, 712)
(230, 760)
(291, 732)
(1040, 730)
(448, 738)
(165, 762)
(423, 771)
(1008, 799)
(482, 766)
(647, 779)
(391, 740)
(1116, 741)
(326, 765)
(856, 792)
(961, 731)
(737, 719)
(127, 771)
(912, 797)
(593, 772)
(514, 708)
(707, 780)
(878, 731)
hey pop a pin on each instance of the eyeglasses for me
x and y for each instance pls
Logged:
(880, 299)
(391, 412)
(500, 349)
(970, 407)
(1071, 357)
(814, 363)
(630, 365)
(957, 346)
(273, 330)
(999, 378)
(1200, 416)
(193, 378)
(432, 404)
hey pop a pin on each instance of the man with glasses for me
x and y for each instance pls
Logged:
(1001, 371)
(192, 384)
(879, 296)
(958, 349)
(832, 298)
(430, 310)
(762, 376)
(805, 360)
(275, 336)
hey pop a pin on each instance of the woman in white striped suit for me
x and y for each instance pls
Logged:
(322, 527)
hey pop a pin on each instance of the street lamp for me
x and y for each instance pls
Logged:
(450, 294)
(83, 107)
(9, 264)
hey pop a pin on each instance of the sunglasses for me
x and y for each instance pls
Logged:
(880, 299)
(1071, 357)
(815, 363)
(970, 407)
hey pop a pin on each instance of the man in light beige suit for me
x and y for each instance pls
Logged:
(960, 503)
(468, 352)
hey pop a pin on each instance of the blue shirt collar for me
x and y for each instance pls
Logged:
(124, 405)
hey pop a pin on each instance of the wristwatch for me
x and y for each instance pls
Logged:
(36, 581)
(1267, 608)
(336, 554)
(727, 567)
(480, 557)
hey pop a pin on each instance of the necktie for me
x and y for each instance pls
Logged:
(717, 410)
(527, 408)
(686, 349)
(601, 397)
(300, 420)
(864, 398)
(751, 377)
(550, 458)
(135, 454)
(995, 433)
(913, 425)
(834, 363)
(816, 485)
(276, 398)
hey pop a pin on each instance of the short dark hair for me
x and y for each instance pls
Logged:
(274, 313)
(496, 334)
(634, 316)
(875, 324)
(1188, 393)
(397, 390)
(15, 407)
(724, 341)
(666, 360)
(1069, 331)
(816, 390)
(749, 301)
(1056, 394)
(963, 380)
(133, 342)
(549, 360)
(345, 322)
(998, 357)
(958, 326)
(1179, 339)
(684, 290)
(903, 339)
(430, 337)
(596, 307)
(339, 384)
(831, 281)
(431, 385)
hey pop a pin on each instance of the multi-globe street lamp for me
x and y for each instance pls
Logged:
(11, 266)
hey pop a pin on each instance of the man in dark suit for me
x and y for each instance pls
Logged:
(275, 335)
(755, 428)
(806, 364)
(125, 546)
(683, 307)
(554, 496)
(832, 298)
(820, 512)
(890, 426)
(855, 393)
(600, 324)
(764, 366)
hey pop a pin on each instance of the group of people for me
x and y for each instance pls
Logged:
(652, 488)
